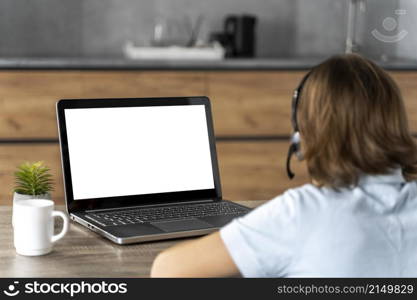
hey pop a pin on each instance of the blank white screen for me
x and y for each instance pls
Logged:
(138, 150)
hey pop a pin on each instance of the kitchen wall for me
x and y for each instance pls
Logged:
(41, 28)
(101, 27)
(408, 46)
(112, 22)
(322, 28)
(371, 18)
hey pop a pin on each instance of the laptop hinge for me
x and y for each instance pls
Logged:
(151, 205)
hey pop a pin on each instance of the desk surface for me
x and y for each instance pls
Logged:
(81, 253)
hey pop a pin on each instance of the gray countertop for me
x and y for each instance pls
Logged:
(86, 63)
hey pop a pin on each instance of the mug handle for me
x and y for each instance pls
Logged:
(64, 230)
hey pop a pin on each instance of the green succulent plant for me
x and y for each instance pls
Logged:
(33, 179)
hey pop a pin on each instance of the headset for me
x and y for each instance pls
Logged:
(295, 137)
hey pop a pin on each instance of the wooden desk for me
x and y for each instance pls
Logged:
(81, 253)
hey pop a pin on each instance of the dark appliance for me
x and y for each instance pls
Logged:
(241, 30)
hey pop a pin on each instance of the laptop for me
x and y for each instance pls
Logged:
(142, 169)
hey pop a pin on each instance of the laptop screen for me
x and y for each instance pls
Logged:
(121, 151)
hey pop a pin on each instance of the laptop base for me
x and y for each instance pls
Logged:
(159, 230)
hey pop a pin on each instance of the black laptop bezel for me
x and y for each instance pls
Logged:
(133, 200)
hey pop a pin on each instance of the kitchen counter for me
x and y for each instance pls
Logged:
(86, 63)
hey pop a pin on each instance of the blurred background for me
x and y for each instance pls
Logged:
(246, 56)
(284, 28)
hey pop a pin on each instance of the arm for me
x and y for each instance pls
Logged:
(204, 257)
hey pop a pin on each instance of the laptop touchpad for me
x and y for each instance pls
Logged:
(181, 225)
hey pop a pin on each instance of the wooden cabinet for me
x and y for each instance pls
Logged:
(126, 84)
(27, 101)
(11, 155)
(407, 81)
(253, 102)
(28, 98)
(259, 102)
(245, 104)
(248, 170)
(257, 170)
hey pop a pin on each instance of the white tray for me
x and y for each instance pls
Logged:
(214, 52)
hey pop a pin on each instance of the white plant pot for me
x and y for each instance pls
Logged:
(21, 197)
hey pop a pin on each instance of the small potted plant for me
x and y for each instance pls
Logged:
(33, 181)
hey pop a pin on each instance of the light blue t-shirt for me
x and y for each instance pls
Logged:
(366, 231)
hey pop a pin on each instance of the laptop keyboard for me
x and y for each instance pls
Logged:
(154, 214)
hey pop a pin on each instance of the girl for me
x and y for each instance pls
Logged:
(358, 217)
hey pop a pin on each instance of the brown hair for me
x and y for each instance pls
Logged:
(352, 121)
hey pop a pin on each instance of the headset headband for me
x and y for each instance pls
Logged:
(295, 99)
(295, 139)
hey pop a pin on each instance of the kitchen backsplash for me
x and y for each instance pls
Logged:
(59, 28)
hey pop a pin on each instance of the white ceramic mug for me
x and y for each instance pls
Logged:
(34, 226)
(19, 197)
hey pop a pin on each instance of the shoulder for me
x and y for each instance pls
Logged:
(308, 192)
(307, 198)
(295, 206)
(289, 205)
